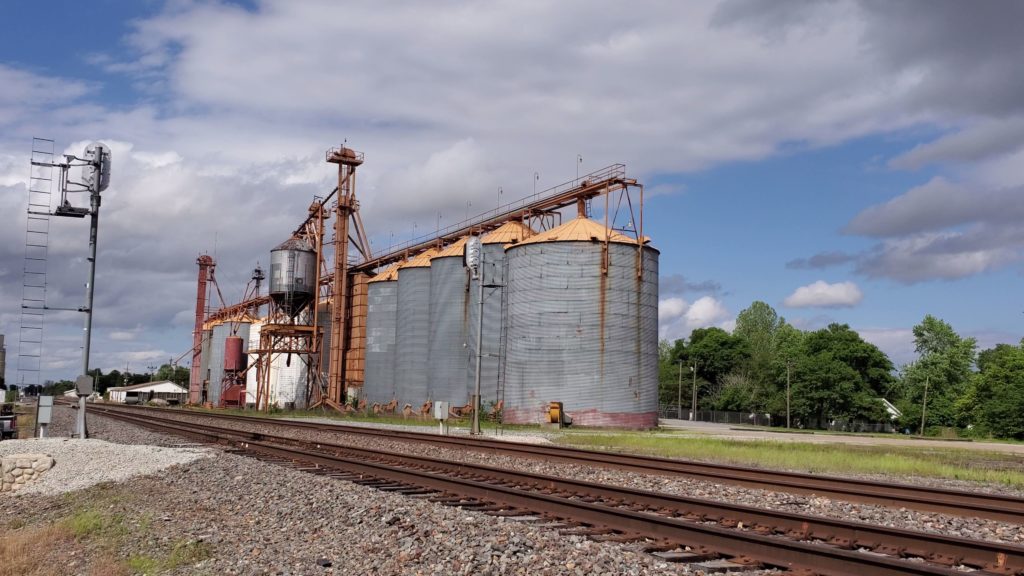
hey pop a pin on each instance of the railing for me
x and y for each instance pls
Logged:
(612, 172)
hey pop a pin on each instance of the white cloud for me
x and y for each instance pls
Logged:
(897, 343)
(821, 294)
(223, 149)
(677, 317)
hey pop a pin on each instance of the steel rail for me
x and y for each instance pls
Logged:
(767, 550)
(954, 502)
(936, 548)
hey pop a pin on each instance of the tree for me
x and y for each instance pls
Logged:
(845, 345)
(997, 394)
(759, 326)
(943, 368)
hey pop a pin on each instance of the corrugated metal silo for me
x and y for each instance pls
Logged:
(380, 336)
(221, 332)
(449, 319)
(493, 255)
(580, 336)
(412, 338)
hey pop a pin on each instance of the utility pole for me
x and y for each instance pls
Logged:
(98, 176)
(693, 413)
(789, 364)
(924, 403)
(475, 259)
(679, 401)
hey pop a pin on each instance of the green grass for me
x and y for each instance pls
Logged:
(91, 523)
(949, 463)
(184, 553)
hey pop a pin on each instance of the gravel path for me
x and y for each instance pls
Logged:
(259, 518)
(901, 518)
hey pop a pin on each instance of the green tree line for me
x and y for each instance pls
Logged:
(834, 374)
(104, 381)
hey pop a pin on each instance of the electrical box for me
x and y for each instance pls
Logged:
(440, 410)
(45, 413)
(84, 385)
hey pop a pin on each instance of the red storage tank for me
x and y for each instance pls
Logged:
(234, 357)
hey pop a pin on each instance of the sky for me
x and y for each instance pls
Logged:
(846, 161)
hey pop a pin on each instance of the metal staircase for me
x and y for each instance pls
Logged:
(37, 232)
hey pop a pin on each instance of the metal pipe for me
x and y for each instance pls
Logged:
(94, 222)
(479, 345)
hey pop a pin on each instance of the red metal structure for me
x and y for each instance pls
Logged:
(195, 384)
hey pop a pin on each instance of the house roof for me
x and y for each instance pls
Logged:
(146, 385)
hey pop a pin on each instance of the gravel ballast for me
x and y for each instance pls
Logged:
(83, 463)
(258, 518)
(895, 517)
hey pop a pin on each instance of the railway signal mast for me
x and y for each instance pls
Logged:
(95, 177)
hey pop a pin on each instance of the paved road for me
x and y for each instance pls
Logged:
(711, 429)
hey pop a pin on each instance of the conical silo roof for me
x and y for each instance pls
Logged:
(508, 233)
(421, 260)
(579, 229)
(456, 248)
(388, 274)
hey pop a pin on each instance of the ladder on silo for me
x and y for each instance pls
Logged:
(37, 233)
(499, 396)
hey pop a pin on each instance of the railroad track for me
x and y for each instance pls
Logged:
(954, 502)
(674, 527)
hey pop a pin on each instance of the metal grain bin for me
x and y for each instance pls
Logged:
(412, 338)
(218, 341)
(493, 270)
(292, 275)
(449, 319)
(380, 337)
(579, 336)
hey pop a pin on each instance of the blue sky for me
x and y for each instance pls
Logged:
(818, 157)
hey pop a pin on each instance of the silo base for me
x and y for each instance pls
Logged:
(585, 417)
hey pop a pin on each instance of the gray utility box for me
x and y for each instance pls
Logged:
(45, 414)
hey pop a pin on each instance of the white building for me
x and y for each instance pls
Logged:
(142, 393)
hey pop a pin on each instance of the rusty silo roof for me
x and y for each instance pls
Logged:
(508, 233)
(456, 248)
(421, 260)
(388, 274)
(580, 229)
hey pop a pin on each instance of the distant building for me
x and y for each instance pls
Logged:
(892, 410)
(142, 393)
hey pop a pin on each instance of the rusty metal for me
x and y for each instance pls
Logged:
(626, 514)
(347, 160)
(195, 381)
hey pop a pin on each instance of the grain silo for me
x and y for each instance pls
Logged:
(449, 319)
(218, 340)
(493, 274)
(582, 327)
(412, 338)
(380, 336)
